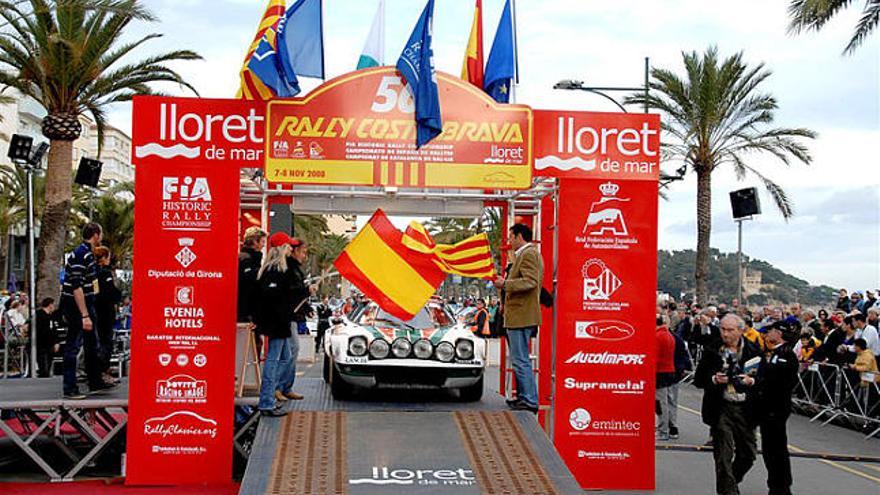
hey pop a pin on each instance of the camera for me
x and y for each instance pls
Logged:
(734, 372)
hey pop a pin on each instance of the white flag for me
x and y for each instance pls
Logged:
(374, 50)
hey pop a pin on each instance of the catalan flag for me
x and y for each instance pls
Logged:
(470, 258)
(251, 86)
(472, 68)
(398, 279)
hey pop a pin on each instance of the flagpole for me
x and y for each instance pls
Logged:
(515, 53)
(323, 46)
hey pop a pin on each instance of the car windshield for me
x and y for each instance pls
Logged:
(431, 316)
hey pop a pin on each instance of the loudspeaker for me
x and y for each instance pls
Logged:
(745, 203)
(280, 218)
(88, 173)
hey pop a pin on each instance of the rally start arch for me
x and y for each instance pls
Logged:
(587, 182)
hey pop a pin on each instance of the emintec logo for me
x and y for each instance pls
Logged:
(582, 357)
(580, 419)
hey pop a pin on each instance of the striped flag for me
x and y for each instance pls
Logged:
(398, 279)
(471, 257)
(251, 86)
(472, 68)
(374, 49)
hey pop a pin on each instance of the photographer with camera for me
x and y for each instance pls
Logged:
(726, 374)
(777, 379)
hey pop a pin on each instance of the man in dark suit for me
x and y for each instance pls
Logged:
(522, 312)
(777, 379)
(726, 375)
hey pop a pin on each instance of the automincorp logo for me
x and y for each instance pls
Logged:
(582, 357)
(604, 330)
(449, 477)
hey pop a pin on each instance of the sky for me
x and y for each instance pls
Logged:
(834, 237)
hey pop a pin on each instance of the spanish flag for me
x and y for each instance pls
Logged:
(397, 278)
(472, 69)
(251, 86)
(470, 258)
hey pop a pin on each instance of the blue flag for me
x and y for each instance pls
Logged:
(266, 66)
(301, 40)
(500, 68)
(416, 63)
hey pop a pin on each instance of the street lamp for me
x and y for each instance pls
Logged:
(20, 154)
(575, 85)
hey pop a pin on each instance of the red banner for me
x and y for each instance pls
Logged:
(604, 416)
(185, 270)
(358, 129)
(581, 145)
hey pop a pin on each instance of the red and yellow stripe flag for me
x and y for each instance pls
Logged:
(472, 69)
(470, 258)
(251, 86)
(398, 279)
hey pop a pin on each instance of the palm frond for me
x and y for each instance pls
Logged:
(866, 25)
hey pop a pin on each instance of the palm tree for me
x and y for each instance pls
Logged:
(115, 212)
(66, 55)
(716, 116)
(451, 230)
(812, 15)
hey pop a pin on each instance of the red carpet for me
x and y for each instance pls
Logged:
(113, 488)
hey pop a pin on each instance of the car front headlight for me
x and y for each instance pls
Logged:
(401, 348)
(357, 346)
(445, 352)
(423, 349)
(379, 349)
(464, 349)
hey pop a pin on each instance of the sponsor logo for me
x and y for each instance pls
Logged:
(164, 359)
(584, 423)
(182, 360)
(200, 360)
(183, 295)
(626, 387)
(181, 424)
(605, 456)
(181, 388)
(186, 204)
(600, 284)
(280, 149)
(316, 152)
(183, 314)
(604, 330)
(503, 154)
(582, 357)
(580, 419)
(185, 256)
(605, 227)
(590, 142)
(449, 477)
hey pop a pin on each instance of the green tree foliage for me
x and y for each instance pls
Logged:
(812, 15)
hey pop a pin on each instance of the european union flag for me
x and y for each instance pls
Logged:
(416, 63)
(500, 68)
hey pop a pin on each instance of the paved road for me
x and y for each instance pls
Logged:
(693, 472)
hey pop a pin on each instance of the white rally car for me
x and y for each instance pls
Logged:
(370, 348)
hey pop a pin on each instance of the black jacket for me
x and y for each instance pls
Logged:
(249, 261)
(777, 378)
(828, 349)
(107, 298)
(324, 314)
(276, 302)
(713, 395)
(299, 290)
(47, 330)
(706, 336)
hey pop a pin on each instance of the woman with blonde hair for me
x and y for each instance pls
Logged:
(274, 317)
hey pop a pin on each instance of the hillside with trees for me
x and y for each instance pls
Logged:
(676, 277)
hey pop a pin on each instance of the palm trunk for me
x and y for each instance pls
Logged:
(53, 224)
(704, 230)
(4, 257)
